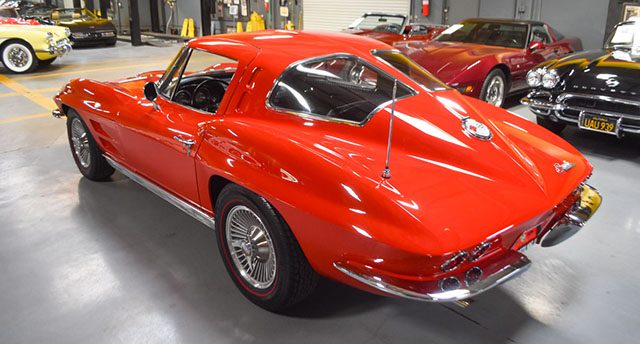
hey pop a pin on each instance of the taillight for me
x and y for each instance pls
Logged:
(479, 251)
(454, 262)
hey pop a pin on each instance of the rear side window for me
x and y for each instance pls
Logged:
(341, 88)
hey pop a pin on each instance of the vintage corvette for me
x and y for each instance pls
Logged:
(390, 28)
(489, 58)
(86, 28)
(595, 90)
(340, 158)
(26, 45)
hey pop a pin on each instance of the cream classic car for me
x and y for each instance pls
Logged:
(25, 47)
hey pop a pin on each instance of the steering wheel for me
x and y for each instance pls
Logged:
(208, 95)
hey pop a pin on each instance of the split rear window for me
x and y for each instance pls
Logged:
(341, 88)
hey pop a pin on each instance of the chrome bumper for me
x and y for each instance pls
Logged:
(518, 265)
(555, 112)
(575, 218)
(57, 113)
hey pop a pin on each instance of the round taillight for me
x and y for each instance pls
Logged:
(454, 262)
(473, 276)
(449, 284)
(479, 251)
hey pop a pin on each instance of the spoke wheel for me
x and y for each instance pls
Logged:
(494, 89)
(259, 250)
(80, 142)
(84, 149)
(251, 247)
(18, 58)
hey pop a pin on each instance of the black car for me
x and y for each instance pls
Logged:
(594, 90)
(86, 28)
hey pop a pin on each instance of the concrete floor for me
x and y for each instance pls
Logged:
(84, 262)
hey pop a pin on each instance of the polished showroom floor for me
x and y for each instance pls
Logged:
(85, 262)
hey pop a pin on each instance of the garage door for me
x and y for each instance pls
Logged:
(335, 15)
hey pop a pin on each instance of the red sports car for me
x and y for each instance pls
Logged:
(340, 158)
(489, 58)
(390, 28)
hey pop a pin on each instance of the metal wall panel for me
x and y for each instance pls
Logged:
(335, 15)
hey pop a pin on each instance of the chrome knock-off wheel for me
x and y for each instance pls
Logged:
(495, 91)
(251, 247)
(18, 58)
(80, 142)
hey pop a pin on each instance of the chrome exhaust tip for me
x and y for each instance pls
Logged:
(575, 218)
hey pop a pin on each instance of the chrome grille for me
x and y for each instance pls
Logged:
(575, 103)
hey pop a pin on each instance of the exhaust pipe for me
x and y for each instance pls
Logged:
(575, 218)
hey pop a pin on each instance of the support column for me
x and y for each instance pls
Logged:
(205, 15)
(134, 23)
(155, 17)
(104, 8)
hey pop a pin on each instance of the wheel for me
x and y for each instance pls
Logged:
(260, 252)
(85, 151)
(18, 57)
(554, 127)
(45, 63)
(111, 43)
(494, 88)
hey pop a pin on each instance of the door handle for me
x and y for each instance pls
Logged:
(187, 143)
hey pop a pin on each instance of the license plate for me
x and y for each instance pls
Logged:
(601, 124)
(525, 240)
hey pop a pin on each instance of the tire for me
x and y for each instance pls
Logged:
(85, 150)
(48, 62)
(111, 43)
(18, 57)
(554, 127)
(291, 280)
(494, 89)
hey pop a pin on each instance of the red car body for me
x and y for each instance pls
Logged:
(450, 194)
(466, 65)
(413, 32)
(390, 32)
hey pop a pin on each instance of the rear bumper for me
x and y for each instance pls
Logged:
(434, 291)
(479, 276)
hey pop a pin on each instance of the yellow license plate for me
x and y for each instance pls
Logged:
(598, 123)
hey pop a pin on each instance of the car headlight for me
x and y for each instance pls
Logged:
(534, 77)
(550, 79)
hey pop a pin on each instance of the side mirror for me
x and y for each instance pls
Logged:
(150, 91)
(536, 45)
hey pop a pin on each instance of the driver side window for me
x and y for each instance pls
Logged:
(539, 33)
(199, 80)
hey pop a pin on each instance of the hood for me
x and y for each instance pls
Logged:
(602, 71)
(58, 31)
(83, 25)
(386, 37)
(448, 59)
(448, 191)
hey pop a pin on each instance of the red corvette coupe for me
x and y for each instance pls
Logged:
(489, 58)
(340, 158)
(390, 28)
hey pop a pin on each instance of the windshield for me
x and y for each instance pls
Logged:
(499, 34)
(8, 13)
(380, 22)
(411, 69)
(625, 36)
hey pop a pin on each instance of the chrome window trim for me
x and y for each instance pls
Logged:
(312, 116)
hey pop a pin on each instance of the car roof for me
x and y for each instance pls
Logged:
(279, 48)
(505, 21)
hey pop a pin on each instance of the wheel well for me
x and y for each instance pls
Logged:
(216, 184)
(505, 70)
(18, 40)
(65, 109)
